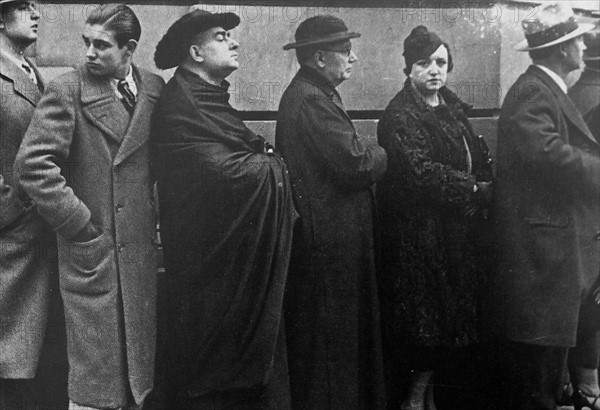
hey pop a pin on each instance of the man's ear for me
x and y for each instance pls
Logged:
(195, 53)
(131, 46)
(319, 58)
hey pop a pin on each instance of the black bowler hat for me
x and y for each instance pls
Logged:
(320, 30)
(173, 47)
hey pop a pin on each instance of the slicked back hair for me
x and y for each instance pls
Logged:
(119, 19)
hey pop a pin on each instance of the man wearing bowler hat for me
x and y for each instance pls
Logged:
(332, 316)
(548, 219)
(226, 215)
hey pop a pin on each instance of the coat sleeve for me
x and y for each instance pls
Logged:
(539, 143)
(333, 139)
(410, 150)
(10, 205)
(46, 144)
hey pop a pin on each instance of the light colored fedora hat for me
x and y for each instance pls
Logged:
(552, 24)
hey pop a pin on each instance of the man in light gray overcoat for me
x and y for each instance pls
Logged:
(30, 307)
(85, 163)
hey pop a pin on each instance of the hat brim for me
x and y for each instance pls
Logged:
(323, 40)
(9, 1)
(170, 49)
(582, 29)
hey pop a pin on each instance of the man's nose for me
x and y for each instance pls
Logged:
(35, 13)
(233, 43)
(353, 56)
(90, 53)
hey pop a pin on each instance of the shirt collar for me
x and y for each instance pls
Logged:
(130, 82)
(559, 81)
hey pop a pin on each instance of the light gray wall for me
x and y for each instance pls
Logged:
(480, 38)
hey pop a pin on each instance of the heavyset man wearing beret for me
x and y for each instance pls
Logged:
(226, 217)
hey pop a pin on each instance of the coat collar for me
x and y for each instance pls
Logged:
(105, 111)
(426, 113)
(22, 84)
(568, 108)
(313, 77)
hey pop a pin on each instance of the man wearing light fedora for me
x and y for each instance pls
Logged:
(227, 215)
(548, 218)
(332, 314)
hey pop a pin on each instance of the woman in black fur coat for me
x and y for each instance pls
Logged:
(433, 203)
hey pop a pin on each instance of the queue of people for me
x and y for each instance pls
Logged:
(329, 271)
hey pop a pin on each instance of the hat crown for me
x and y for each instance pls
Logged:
(319, 27)
(548, 16)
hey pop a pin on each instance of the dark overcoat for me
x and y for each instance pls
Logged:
(84, 159)
(27, 244)
(227, 216)
(547, 213)
(332, 314)
(433, 226)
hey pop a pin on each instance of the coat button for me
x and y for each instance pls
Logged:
(121, 247)
(119, 207)
(597, 236)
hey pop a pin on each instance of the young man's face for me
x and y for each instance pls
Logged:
(20, 21)
(103, 56)
(218, 51)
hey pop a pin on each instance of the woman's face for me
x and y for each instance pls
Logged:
(429, 75)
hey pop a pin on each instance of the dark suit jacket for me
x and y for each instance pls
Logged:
(26, 242)
(548, 213)
(84, 159)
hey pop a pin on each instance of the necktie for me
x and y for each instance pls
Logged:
(128, 97)
(29, 72)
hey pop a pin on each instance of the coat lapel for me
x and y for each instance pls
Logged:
(22, 84)
(139, 127)
(568, 108)
(41, 82)
(101, 106)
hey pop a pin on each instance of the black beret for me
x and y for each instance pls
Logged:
(173, 47)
